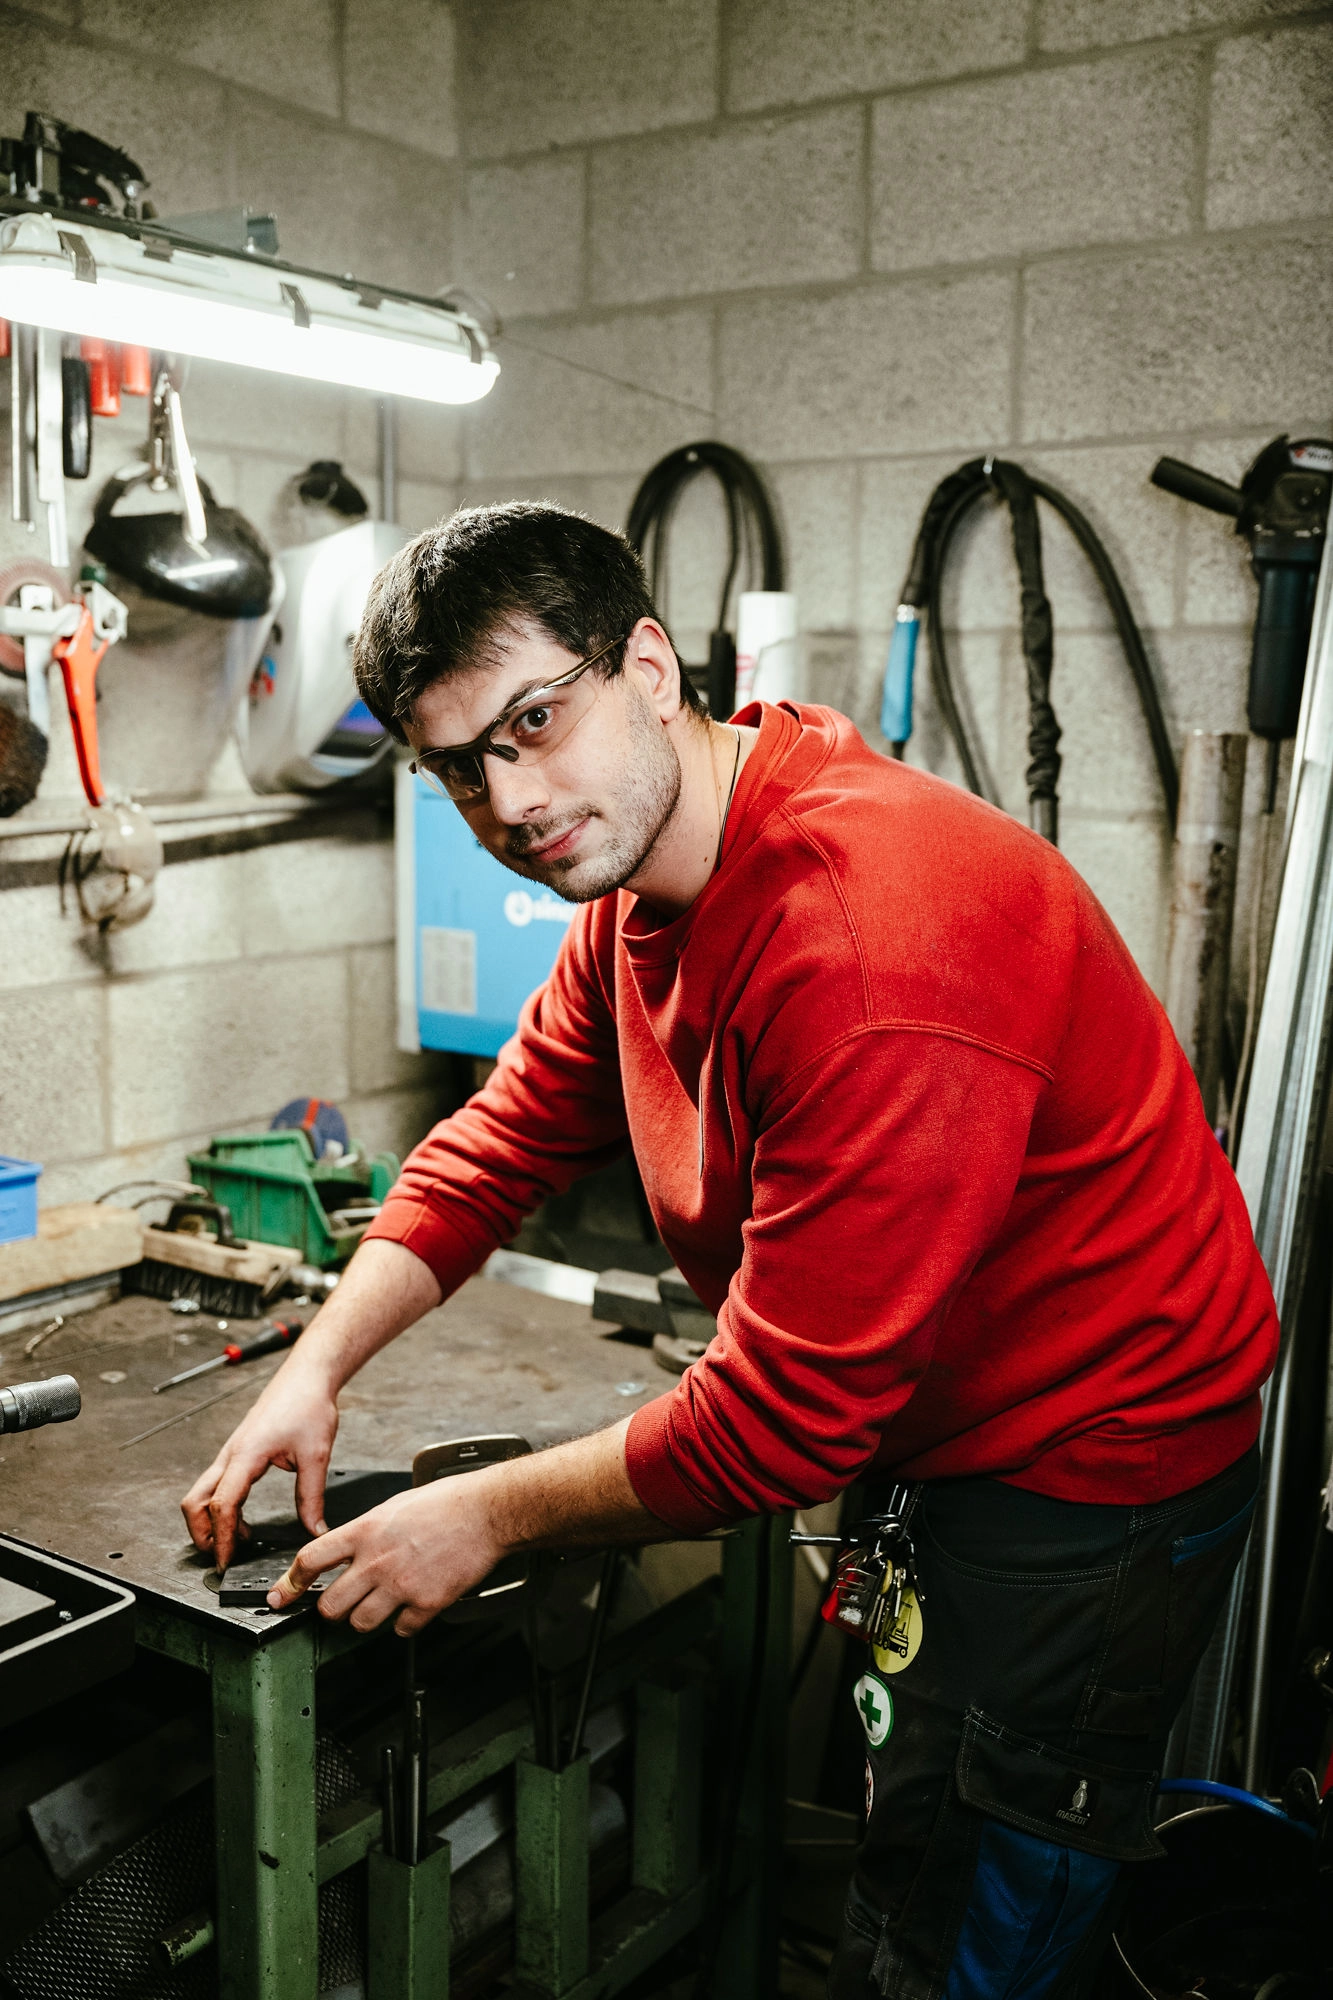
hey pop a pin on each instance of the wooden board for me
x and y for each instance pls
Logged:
(80, 1240)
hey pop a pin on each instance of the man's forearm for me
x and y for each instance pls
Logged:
(385, 1289)
(573, 1494)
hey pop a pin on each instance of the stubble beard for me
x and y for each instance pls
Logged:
(637, 812)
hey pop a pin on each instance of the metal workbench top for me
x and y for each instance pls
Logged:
(492, 1358)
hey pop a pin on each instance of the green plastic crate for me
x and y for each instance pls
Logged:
(279, 1193)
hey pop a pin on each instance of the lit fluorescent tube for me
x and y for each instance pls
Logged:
(156, 292)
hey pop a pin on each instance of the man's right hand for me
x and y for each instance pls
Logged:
(292, 1426)
(385, 1288)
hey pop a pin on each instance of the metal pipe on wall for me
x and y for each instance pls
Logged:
(388, 443)
(1203, 896)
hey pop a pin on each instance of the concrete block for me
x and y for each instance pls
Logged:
(173, 123)
(395, 1121)
(520, 235)
(245, 410)
(1127, 865)
(817, 507)
(422, 505)
(1109, 485)
(312, 895)
(786, 52)
(40, 946)
(892, 496)
(832, 664)
(770, 204)
(345, 201)
(554, 72)
(1270, 134)
(913, 366)
(1158, 342)
(225, 1046)
(286, 48)
(376, 1062)
(430, 440)
(607, 395)
(1097, 152)
(196, 918)
(1107, 765)
(1080, 24)
(54, 1046)
(399, 72)
(1203, 676)
(85, 1180)
(562, 489)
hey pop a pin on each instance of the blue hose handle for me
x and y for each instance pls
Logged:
(895, 715)
(1208, 1788)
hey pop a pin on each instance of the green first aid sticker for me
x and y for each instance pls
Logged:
(874, 1705)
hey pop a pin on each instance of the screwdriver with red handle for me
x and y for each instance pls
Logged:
(269, 1338)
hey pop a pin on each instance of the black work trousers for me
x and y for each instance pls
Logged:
(1012, 1762)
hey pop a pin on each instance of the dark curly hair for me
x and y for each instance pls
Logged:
(436, 607)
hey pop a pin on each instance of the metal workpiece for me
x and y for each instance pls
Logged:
(492, 1357)
(1203, 895)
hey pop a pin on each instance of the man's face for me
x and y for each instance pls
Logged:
(583, 819)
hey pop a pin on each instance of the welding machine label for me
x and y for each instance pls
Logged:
(874, 1705)
(902, 1642)
(522, 908)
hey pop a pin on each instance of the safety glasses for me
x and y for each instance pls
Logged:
(525, 732)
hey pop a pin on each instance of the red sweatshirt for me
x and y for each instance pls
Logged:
(915, 1129)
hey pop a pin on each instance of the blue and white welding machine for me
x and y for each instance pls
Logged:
(473, 940)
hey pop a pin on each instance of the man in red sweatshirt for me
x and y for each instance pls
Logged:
(916, 1131)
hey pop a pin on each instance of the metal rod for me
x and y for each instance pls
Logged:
(414, 1790)
(605, 1590)
(389, 1800)
(388, 442)
(1266, 1583)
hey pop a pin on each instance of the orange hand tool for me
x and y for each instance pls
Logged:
(80, 655)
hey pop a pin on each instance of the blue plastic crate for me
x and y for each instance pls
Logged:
(18, 1199)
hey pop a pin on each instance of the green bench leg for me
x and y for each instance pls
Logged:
(747, 1961)
(408, 1927)
(668, 1762)
(551, 1871)
(264, 1793)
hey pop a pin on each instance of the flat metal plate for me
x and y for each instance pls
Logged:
(493, 1358)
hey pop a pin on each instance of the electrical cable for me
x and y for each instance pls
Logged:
(946, 510)
(753, 540)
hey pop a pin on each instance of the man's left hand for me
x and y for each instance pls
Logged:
(407, 1559)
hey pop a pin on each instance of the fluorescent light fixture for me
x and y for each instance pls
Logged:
(157, 291)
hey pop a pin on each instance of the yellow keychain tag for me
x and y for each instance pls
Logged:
(901, 1643)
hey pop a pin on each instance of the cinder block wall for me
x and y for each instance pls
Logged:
(262, 972)
(867, 239)
(862, 241)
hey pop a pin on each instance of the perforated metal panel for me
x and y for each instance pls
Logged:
(99, 1944)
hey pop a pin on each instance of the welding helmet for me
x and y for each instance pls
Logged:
(304, 726)
(139, 532)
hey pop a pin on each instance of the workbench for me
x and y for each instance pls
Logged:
(104, 1491)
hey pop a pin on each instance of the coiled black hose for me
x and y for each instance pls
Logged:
(752, 535)
(945, 512)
